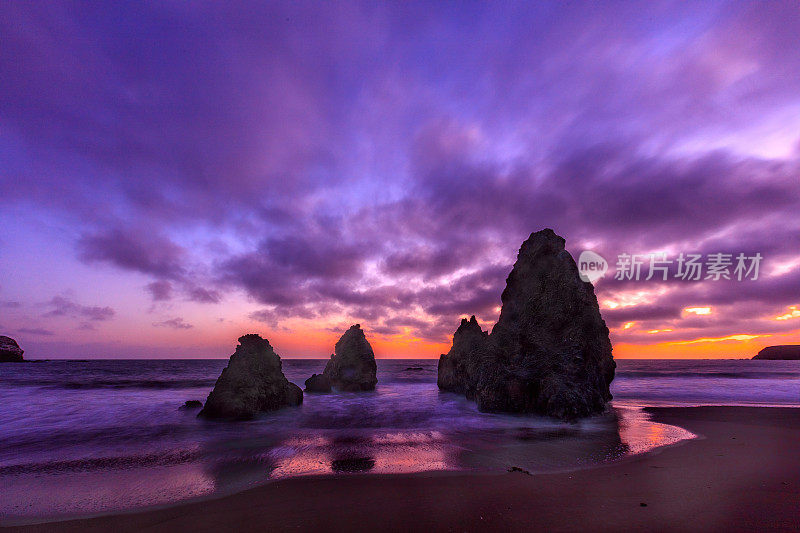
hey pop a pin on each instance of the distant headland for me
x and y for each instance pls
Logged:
(786, 352)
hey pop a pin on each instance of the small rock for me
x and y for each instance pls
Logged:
(642, 504)
(10, 352)
(191, 404)
(518, 469)
(318, 383)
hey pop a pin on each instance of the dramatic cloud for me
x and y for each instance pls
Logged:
(139, 251)
(327, 164)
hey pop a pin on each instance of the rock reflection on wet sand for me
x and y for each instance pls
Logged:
(536, 448)
(396, 452)
(225, 466)
(353, 464)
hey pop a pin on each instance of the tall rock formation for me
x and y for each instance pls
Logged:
(549, 352)
(10, 352)
(352, 366)
(253, 382)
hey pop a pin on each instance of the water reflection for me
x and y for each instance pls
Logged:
(535, 444)
(352, 465)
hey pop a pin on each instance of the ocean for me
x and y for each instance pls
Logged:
(86, 437)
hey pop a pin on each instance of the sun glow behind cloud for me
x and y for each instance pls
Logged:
(794, 312)
(698, 310)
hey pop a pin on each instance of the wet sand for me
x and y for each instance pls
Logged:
(742, 474)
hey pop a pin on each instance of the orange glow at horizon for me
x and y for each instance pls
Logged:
(631, 340)
(738, 346)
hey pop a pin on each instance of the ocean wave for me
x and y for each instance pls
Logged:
(102, 463)
(85, 384)
(61, 438)
(705, 374)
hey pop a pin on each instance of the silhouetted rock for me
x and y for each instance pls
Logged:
(549, 352)
(459, 369)
(10, 352)
(318, 383)
(352, 366)
(251, 383)
(191, 404)
(785, 352)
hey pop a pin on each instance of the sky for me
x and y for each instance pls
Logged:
(176, 174)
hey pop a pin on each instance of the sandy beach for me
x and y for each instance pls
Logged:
(743, 473)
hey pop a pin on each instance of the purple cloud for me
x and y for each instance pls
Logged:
(355, 164)
(173, 323)
(160, 290)
(62, 306)
(202, 295)
(138, 251)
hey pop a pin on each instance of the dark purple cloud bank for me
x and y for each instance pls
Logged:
(384, 161)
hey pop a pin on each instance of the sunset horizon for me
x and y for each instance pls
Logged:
(689, 331)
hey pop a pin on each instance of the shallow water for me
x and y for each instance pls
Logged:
(86, 437)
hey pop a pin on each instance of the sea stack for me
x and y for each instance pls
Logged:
(10, 352)
(352, 366)
(318, 383)
(549, 352)
(253, 382)
(785, 352)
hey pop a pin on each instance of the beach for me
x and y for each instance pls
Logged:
(742, 473)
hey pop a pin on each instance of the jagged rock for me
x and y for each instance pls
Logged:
(549, 352)
(191, 404)
(10, 352)
(785, 352)
(459, 368)
(352, 366)
(318, 383)
(253, 382)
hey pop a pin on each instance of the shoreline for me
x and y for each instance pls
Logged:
(20, 521)
(743, 472)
